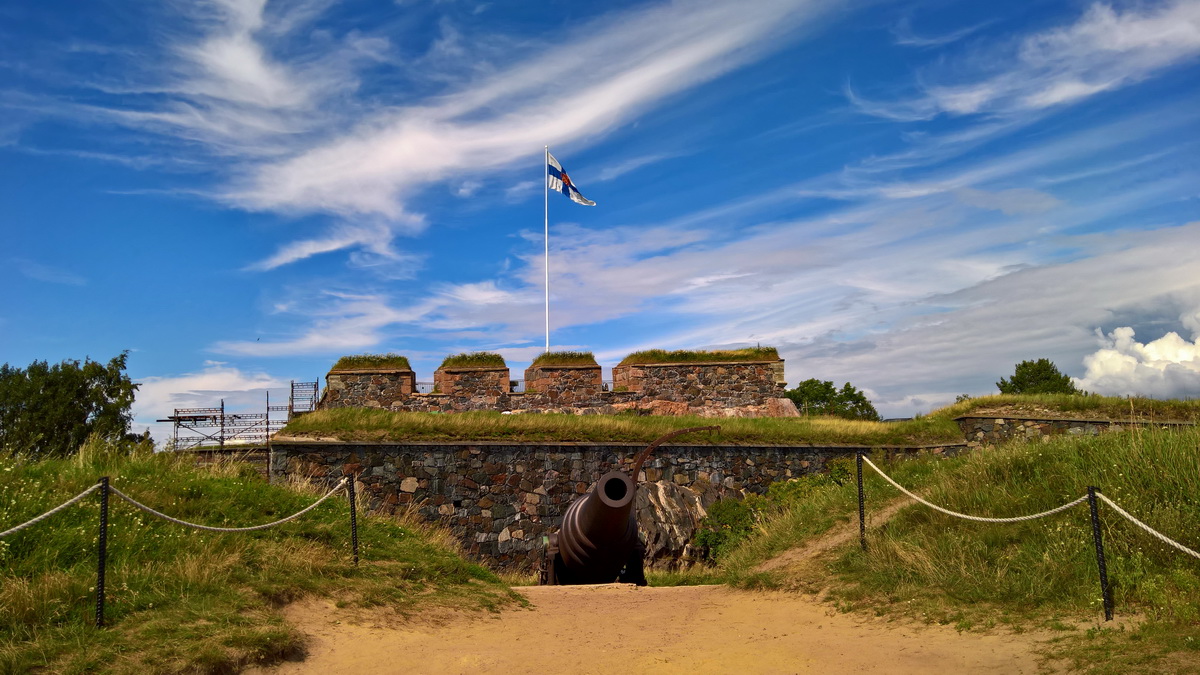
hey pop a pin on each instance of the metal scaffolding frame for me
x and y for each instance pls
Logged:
(216, 427)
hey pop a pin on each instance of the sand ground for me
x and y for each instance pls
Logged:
(619, 628)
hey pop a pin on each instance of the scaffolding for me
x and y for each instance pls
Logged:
(214, 427)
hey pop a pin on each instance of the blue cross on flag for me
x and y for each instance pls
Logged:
(559, 181)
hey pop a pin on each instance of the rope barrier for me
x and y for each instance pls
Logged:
(52, 511)
(1154, 533)
(341, 484)
(980, 519)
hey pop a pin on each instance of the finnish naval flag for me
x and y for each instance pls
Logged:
(559, 181)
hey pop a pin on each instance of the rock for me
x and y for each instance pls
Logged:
(667, 515)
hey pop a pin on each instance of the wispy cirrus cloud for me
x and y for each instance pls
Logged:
(288, 116)
(48, 273)
(904, 35)
(1104, 50)
(633, 164)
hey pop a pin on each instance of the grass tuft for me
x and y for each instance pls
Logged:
(474, 360)
(565, 359)
(372, 362)
(652, 356)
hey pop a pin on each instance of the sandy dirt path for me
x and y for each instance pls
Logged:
(620, 628)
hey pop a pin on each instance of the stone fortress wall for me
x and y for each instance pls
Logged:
(706, 389)
(499, 499)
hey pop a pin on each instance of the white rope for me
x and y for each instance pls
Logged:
(980, 519)
(209, 528)
(52, 511)
(1155, 533)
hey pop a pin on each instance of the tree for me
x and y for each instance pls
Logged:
(1037, 377)
(50, 410)
(817, 397)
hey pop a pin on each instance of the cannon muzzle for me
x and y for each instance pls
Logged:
(598, 532)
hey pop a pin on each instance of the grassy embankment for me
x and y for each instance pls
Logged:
(1038, 574)
(374, 425)
(182, 600)
(1086, 406)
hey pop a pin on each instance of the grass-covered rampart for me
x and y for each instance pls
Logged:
(1077, 406)
(1035, 574)
(372, 362)
(375, 425)
(652, 356)
(181, 600)
(474, 360)
(549, 359)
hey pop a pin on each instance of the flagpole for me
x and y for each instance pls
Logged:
(546, 199)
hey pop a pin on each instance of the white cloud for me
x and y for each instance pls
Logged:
(1168, 367)
(904, 35)
(633, 60)
(373, 238)
(1014, 201)
(158, 397)
(48, 273)
(1105, 49)
(621, 168)
(341, 323)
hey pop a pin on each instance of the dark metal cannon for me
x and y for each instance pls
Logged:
(598, 541)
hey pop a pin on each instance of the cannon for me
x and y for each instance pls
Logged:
(598, 542)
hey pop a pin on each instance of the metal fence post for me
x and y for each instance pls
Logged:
(1105, 589)
(353, 517)
(862, 520)
(102, 552)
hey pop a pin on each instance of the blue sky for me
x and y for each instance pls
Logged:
(910, 196)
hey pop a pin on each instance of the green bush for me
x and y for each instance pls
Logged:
(731, 521)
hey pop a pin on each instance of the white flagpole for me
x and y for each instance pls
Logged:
(546, 199)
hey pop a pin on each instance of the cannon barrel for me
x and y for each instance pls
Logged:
(598, 532)
(597, 541)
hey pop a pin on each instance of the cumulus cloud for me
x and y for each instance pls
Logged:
(1168, 367)
(158, 396)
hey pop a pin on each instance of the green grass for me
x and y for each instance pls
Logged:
(372, 362)
(1037, 574)
(181, 600)
(374, 425)
(565, 359)
(474, 360)
(1084, 405)
(652, 356)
